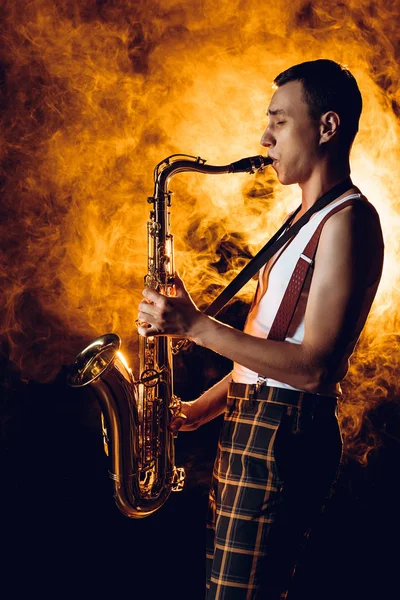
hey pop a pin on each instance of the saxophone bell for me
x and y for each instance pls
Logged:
(94, 360)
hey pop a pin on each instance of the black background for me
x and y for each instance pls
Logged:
(63, 535)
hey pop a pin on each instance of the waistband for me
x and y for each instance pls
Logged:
(285, 397)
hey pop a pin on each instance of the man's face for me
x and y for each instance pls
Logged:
(292, 136)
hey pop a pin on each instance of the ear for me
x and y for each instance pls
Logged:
(329, 126)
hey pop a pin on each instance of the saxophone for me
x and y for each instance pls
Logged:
(136, 413)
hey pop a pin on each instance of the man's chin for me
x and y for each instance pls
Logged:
(285, 180)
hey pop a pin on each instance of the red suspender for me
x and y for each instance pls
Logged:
(284, 315)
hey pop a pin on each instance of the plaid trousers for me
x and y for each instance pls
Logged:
(274, 468)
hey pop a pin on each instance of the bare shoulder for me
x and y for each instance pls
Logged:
(353, 236)
(361, 210)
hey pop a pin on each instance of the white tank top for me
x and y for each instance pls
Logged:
(274, 278)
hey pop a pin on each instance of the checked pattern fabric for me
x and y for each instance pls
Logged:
(242, 500)
(269, 484)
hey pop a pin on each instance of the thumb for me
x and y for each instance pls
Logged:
(180, 288)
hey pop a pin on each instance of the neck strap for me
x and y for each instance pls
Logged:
(273, 245)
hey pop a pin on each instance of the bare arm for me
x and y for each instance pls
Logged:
(209, 405)
(348, 261)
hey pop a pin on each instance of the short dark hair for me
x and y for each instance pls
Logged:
(327, 85)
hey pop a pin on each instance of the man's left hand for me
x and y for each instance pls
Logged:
(174, 316)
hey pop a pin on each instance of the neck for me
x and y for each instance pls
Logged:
(323, 179)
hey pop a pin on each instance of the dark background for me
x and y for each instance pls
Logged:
(63, 535)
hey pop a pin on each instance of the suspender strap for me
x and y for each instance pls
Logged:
(273, 245)
(284, 315)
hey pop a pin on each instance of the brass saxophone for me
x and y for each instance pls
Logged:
(136, 413)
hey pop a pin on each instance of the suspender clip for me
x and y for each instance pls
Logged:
(254, 389)
(307, 258)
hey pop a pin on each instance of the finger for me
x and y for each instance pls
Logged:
(180, 287)
(147, 330)
(149, 312)
(153, 296)
(176, 424)
(147, 318)
(148, 308)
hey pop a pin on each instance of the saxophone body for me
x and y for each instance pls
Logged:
(136, 413)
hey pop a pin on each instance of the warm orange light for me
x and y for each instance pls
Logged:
(123, 360)
(98, 96)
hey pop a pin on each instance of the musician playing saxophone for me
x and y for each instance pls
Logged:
(280, 444)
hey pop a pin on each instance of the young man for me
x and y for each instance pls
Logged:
(280, 444)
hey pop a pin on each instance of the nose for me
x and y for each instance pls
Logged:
(267, 139)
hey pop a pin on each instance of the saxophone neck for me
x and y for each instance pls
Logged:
(177, 163)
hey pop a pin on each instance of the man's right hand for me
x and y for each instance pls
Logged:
(185, 424)
(209, 405)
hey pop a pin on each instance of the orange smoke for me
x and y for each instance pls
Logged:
(96, 94)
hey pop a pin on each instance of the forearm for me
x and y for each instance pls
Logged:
(294, 364)
(211, 404)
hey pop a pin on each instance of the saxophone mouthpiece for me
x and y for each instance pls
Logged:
(251, 164)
